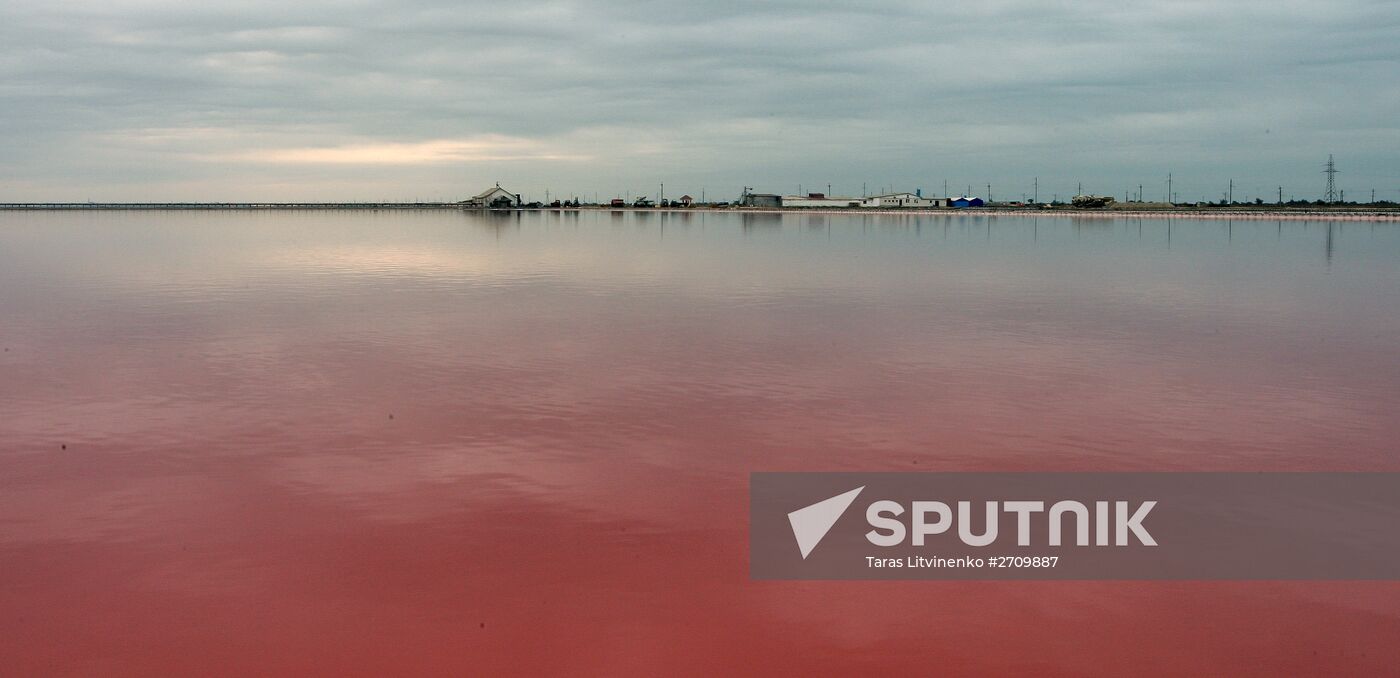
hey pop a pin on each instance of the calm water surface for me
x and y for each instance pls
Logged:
(433, 442)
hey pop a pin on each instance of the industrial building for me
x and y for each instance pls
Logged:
(883, 201)
(818, 200)
(903, 200)
(762, 200)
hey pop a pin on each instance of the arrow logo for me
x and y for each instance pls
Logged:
(811, 523)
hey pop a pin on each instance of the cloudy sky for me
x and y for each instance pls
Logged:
(118, 100)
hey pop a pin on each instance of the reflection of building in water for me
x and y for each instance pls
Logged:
(495, 221)
(761, 220)
(502, 217)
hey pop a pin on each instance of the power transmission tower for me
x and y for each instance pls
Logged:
(1331, 172)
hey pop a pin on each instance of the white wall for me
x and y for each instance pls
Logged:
(804, 201)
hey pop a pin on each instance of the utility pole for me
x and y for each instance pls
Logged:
(662, 195)
(945, 188)
(1036, 198)
(1081, 189)
(1280, 195)
(1232, 191)
(1169, 188)
(989, 192)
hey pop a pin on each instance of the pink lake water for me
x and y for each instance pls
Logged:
(443, 443)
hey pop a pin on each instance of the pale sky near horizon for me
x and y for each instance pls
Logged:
(135, 100)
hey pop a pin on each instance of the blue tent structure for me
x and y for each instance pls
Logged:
(965, 202)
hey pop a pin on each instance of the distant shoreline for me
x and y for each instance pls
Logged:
(1261, 212)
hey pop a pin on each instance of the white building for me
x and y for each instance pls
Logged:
(494, 197)
(902, 200)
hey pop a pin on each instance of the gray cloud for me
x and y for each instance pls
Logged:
(152, 99)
